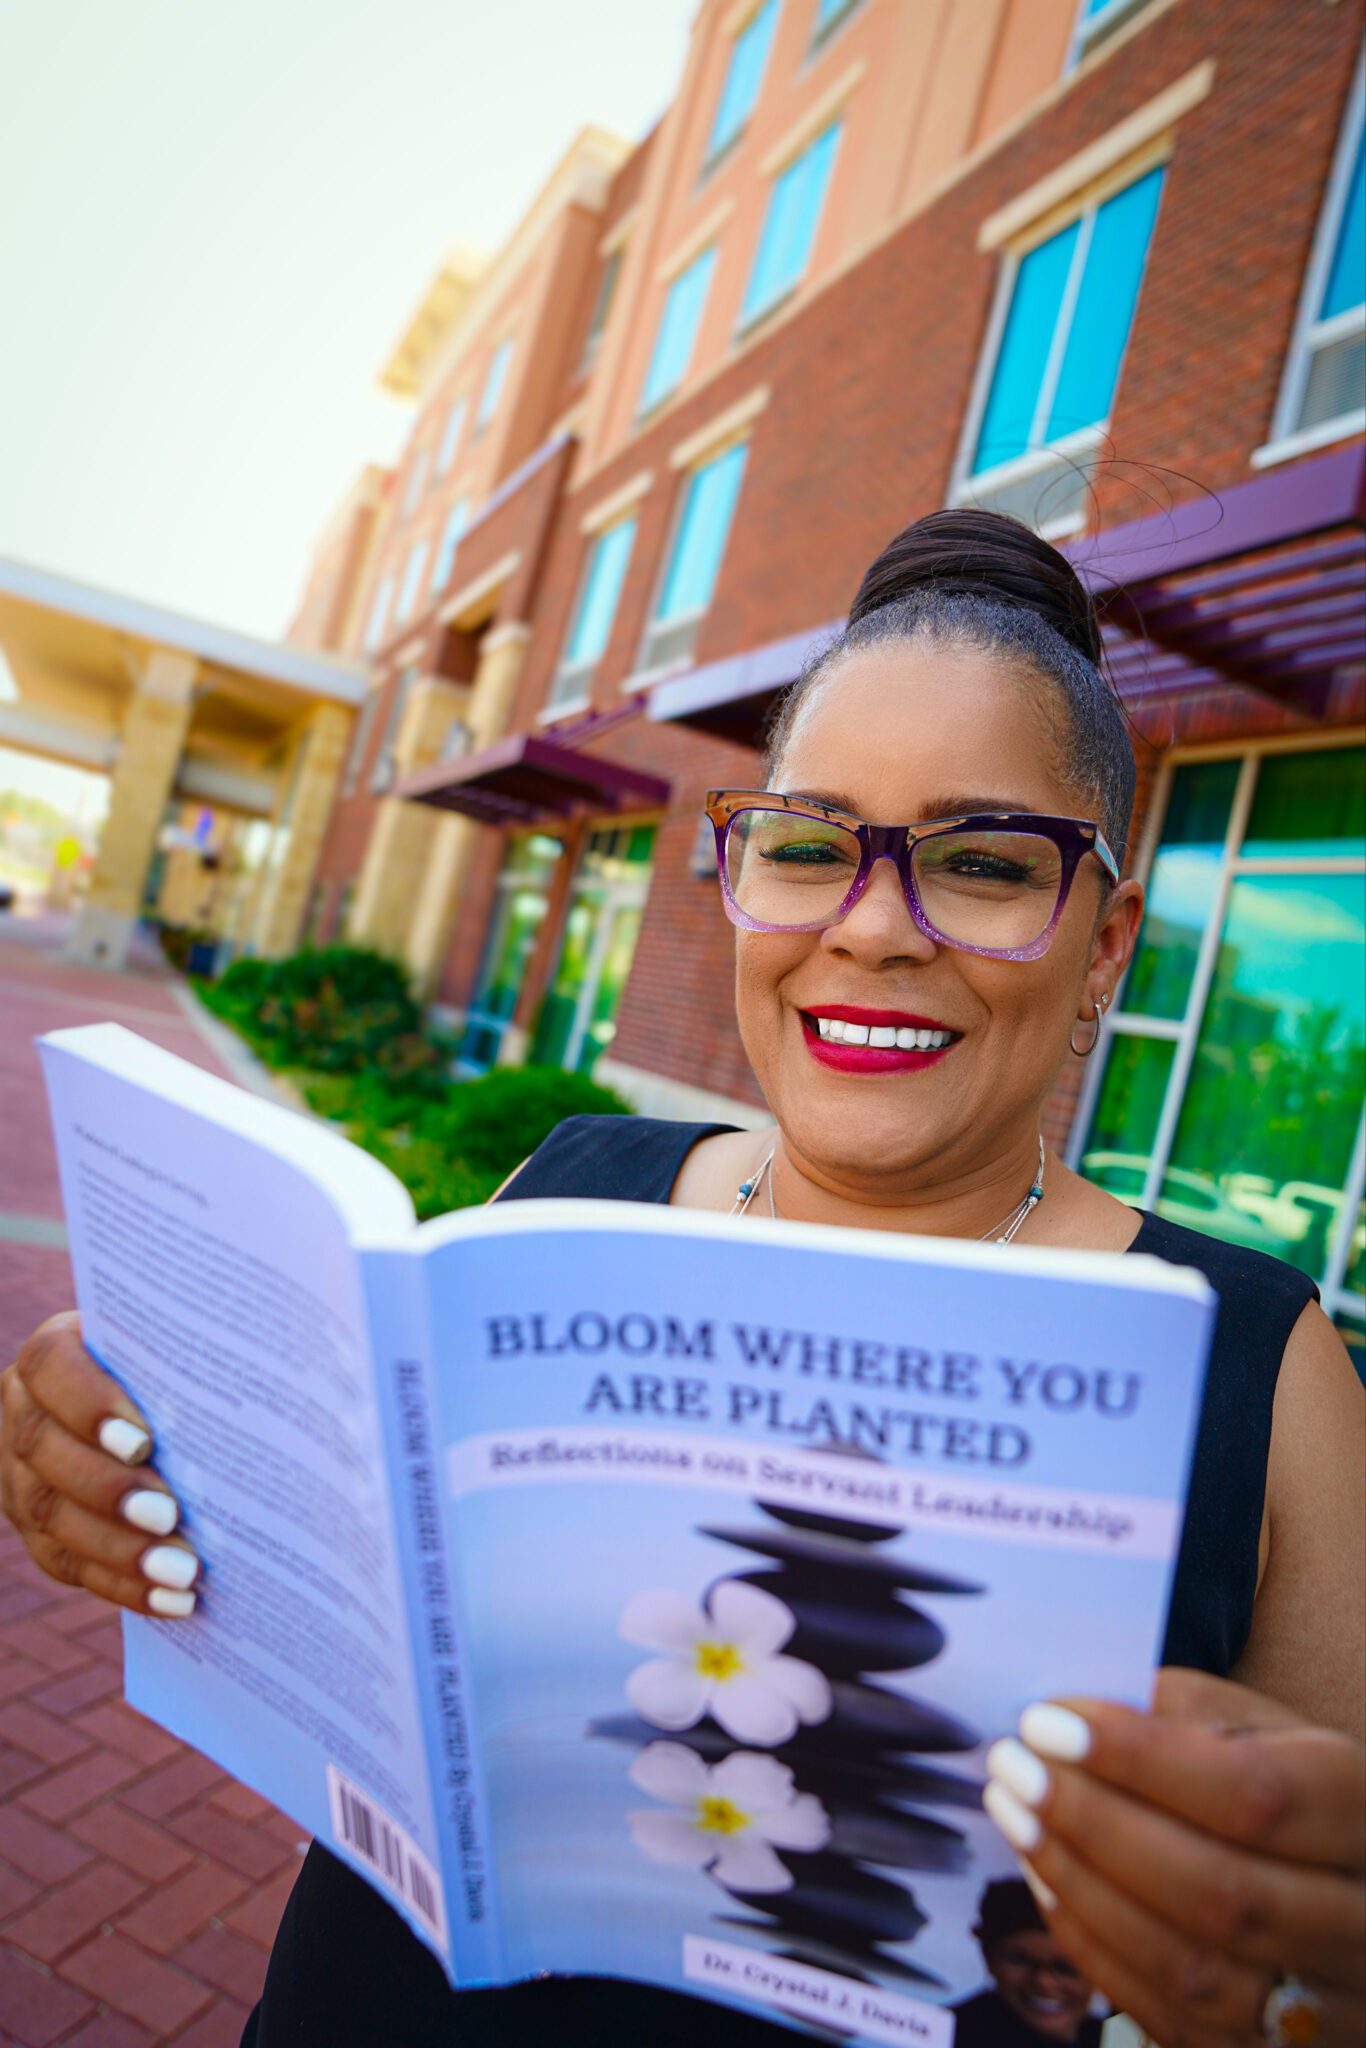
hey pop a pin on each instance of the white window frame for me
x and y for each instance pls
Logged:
(1184, 1032)
(969, 488)
(1312, 335)
(1087, 35)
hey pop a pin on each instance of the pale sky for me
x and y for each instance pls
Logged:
(217, 215)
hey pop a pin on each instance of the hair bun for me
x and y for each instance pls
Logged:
(984, 554)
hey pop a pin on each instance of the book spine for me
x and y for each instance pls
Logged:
(440, 1645)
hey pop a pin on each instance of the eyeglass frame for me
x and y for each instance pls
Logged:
(1073, 837)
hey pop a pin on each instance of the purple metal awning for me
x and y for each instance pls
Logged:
(525, 780)
(1261, 587)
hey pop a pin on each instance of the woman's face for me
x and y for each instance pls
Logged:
(900, 733)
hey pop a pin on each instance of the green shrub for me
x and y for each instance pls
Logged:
(496, 1121)
(339, 1009)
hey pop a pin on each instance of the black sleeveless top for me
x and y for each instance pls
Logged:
(346, 1973)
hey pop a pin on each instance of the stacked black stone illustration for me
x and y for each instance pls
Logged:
(849, 1903)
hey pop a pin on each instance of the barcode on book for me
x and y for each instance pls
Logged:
(388, 1850)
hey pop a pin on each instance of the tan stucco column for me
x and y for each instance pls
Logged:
(501, 660)
(401, 845)
(149, 753)
(309, 785)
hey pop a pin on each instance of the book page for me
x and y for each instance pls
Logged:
(218, 1284)
(764, 1534)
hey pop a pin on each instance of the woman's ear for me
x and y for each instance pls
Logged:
(1112, 947)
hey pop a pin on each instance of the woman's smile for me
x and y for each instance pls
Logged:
(852, 1039)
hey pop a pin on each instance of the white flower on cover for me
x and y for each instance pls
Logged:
(723, 1662)
(728, 1819)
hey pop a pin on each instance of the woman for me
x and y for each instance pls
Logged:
(906, 1017)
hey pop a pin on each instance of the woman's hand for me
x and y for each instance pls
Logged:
(74, 1482)
(1188, 1858)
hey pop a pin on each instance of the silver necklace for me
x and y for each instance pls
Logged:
(1004, 1232)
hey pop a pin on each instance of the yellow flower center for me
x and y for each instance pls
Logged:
(717, 1660)
(720, 1817)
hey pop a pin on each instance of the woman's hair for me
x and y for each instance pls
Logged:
(982, 580)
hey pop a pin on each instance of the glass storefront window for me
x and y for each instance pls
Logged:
(1271, 1107)
(1125, 1123)
(1181, 888)
(1309, 804)
(523, 895)
(578, 1016)
(1241, 1073)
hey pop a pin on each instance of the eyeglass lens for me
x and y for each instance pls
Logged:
(982, 888)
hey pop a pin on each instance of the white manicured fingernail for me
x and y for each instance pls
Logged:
(1045, 1895)
(1016, 1822)
(1056, 1732)
(1019, 1770)
(123, 1440)
(166, 1564)
(155, 1512)
(174, 1606)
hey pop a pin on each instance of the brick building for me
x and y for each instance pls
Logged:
(1096, 262)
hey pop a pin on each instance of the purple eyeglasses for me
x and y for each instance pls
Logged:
(989, 882)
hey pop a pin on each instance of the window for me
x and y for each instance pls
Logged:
(1231, 1092)
(360, 741)
(678, 327)
(520, 906)
(412, 580)
(578, 1019)
(1068, 308)
(594, 614)
(379, 615)
(457, 519)
(794, 211)
(1323, 394)
(829, 15)
(450, 439)
(699, 543)
(493, 385)
(383, 772)
(744, 76)
(602, 306)
(1095, 21)
(417, 478)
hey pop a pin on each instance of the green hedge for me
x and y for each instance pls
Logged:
(344, 1022)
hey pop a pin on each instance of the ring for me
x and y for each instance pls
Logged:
(1292, 2016)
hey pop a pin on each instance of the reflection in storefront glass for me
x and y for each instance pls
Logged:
(1120, 1141)
(1309, 804)
(1264, 1125)
(1181, 888)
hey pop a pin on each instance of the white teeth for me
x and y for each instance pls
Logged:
(882, 1036)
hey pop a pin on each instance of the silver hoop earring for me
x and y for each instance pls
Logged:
(1084, 1052)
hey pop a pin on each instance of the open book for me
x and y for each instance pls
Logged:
(624, 1590)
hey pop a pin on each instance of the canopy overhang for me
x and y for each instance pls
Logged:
(526, 780)
(1262, 587)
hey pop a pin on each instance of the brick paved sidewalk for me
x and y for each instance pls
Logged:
(139, 1886)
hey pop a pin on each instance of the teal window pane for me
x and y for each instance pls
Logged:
(1008, 418)
(456, 521)
(789, 230)
(828, 12)
(412, 579)
(602, 305)
(1352, 1330)
(493, 383)
(744, 76)
(701, 538)
(1181, 888)
(678, 327)
(601, 590)
(1104, 310)
(450, 438)
(1119, 1143)
(379, 614)
(1346, 285)
(1309, 804)
(1271, 1110)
